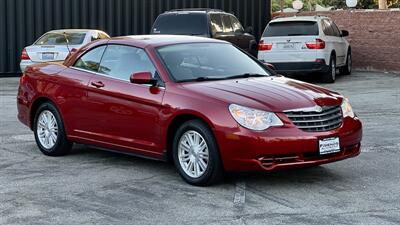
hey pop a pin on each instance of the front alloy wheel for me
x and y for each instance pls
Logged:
(196, 155)
(193, 154)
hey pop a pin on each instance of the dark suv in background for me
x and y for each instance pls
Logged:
(210, 23)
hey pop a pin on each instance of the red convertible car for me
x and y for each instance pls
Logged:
(202, 103)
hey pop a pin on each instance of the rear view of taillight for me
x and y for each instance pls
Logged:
(262, 46)
(318, 44)
(24, 55)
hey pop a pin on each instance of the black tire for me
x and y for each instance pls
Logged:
(62, 146)
(214, 171)
(346, 70)
(330, 75)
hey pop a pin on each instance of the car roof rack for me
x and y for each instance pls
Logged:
(195, 9)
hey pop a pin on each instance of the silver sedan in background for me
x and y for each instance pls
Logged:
(55, 45)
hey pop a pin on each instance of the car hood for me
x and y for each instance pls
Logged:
(274, 93)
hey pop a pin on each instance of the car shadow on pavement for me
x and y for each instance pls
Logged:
(102, 158)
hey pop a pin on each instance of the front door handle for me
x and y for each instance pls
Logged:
(97, 84)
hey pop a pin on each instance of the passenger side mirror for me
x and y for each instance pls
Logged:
(345, 33)
(249, 30)
(143, 78)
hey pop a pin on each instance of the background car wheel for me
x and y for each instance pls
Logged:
(49, 131)
(346, 70)
(330, 75)
(196, 155)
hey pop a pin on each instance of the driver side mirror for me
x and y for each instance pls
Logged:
(143, 78)
(345, 33)
(249, 30)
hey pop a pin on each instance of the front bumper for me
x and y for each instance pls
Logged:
(301, 67)
(285, 147)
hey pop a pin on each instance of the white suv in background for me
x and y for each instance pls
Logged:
(304, 44)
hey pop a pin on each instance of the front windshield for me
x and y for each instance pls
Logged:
(186, 62)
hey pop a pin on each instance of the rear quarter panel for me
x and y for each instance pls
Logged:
(52, 82)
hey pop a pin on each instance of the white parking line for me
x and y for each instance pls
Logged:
(240, 194)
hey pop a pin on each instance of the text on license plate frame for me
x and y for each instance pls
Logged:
(329, 145)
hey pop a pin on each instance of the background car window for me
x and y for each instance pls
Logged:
(190, 61)
(292, 28)
(179, 23)
(120, 61)
(60, 39)
(226, 21)
(237, 27)
(335, 29)
(327, 28)
(216, 23)
(103, 35)
(95, 36)
(91, 59)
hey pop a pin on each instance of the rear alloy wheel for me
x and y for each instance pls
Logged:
(346, 70)
(330, 75)
(49, 131)
(196, 155)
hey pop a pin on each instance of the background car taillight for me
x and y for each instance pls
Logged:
(318, 44)
(24, 55)
(262, 46)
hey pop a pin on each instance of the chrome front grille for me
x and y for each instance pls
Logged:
(316, 119)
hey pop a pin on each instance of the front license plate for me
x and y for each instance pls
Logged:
(47, 56)
(329, 145)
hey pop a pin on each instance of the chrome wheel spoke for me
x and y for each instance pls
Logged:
(202, 165)
(193, 154)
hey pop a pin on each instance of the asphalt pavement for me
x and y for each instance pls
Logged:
(91, 186)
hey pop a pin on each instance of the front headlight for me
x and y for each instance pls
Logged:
(254, 119)
(346, 108)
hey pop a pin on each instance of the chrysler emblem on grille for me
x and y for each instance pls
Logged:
(318, 108)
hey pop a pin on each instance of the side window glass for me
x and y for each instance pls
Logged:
(226, 21)
(91, 60)
(216, 23)
(121, 62)
(335, 29)
(327, 28)
(237, 27)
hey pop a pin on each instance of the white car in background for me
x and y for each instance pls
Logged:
(55, 45)
(306, 44)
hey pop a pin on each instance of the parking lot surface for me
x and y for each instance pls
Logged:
(91, 186)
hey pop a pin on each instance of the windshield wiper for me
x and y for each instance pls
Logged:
(246, 75)
(202, 79)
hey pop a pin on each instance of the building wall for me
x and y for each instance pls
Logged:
(23, 21)
(374, 37)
